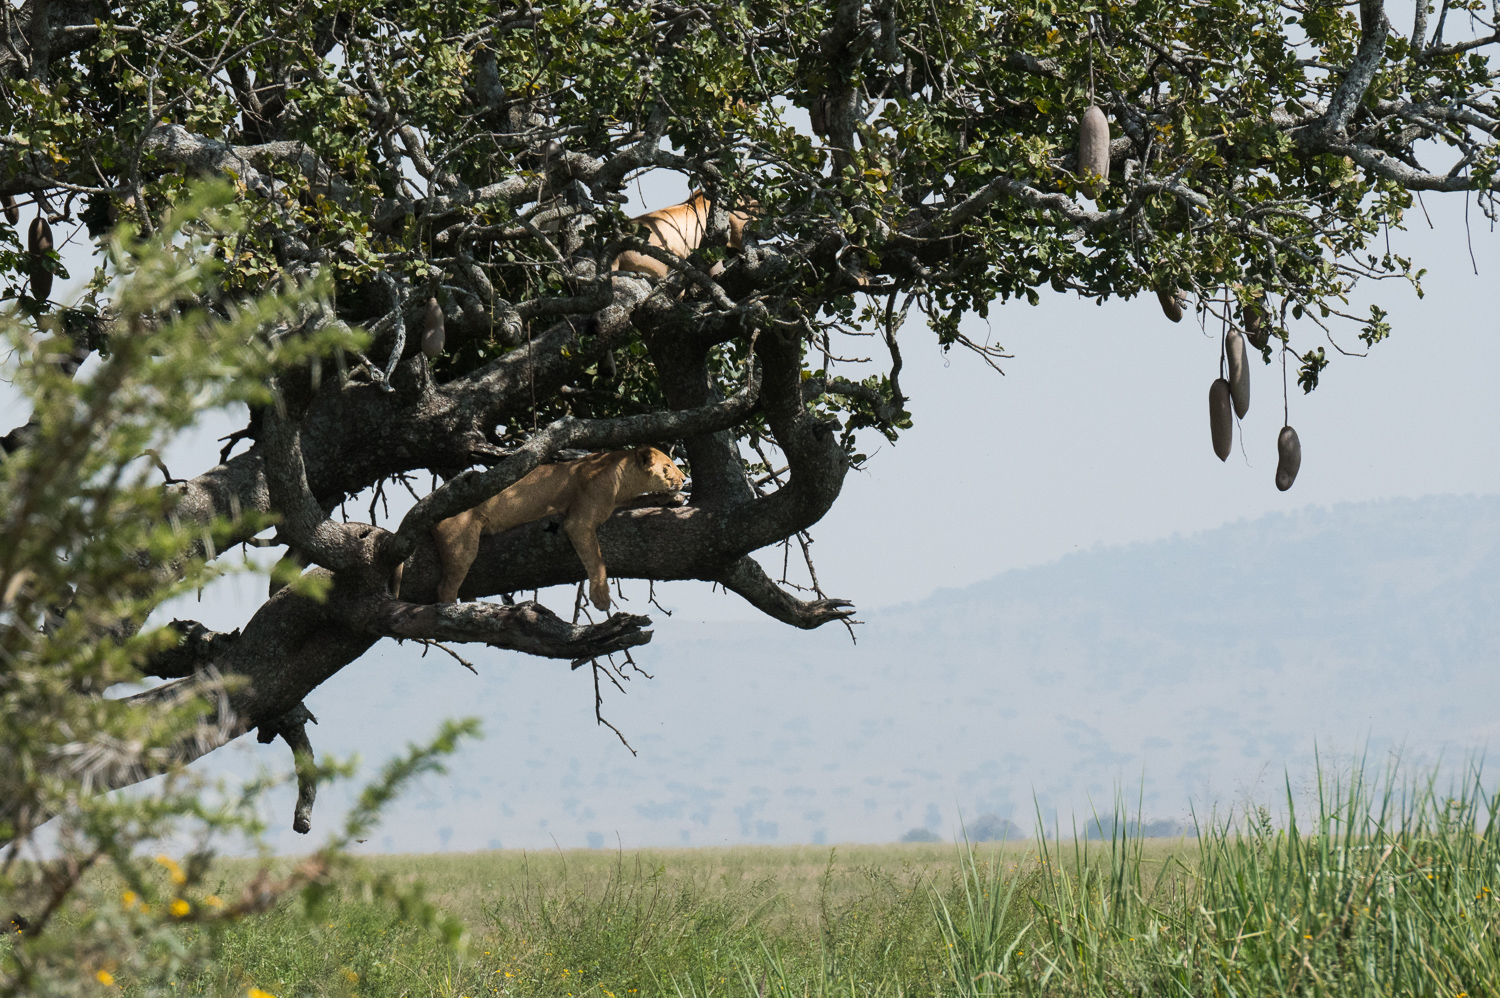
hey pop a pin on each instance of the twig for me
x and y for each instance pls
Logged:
(651, 597)
(598, 708)
(428, 643)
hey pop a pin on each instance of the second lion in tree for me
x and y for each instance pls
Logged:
(584, 492)
(679, 230)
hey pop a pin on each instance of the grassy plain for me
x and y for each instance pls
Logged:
(619, 925)
(1378, 894)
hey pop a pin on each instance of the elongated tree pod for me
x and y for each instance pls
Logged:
(1257, 331)
(1093, 151)
(1239, 371)
(39, 243)
(12, 213)
(432, 331)
(1220, 422)
(817, 114)
(1171, 304)
(1288, 458)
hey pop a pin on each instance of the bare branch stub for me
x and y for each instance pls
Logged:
(292, 728)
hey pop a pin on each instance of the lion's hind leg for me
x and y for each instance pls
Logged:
(457, 546)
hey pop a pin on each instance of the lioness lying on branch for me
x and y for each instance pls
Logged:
(679, 230)
(585, 492)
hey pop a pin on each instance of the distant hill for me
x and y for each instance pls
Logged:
(1186, 672)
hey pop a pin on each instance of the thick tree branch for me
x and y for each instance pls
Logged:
(682, 369)
(749, 580)
(1374, 27)
(175, 144)
(843, 45)
(814, 457)
(493, 390)
(1383, 164)
(526, 627)
(340, 547)
(20, 52)
(471, 488)
(195, 652)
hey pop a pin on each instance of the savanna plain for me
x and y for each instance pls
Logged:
(1368, 889)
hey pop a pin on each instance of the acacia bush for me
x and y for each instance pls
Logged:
(91, 545)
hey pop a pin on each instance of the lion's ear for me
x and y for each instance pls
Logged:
(643, 455)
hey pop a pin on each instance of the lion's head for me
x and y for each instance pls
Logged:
(660, 473)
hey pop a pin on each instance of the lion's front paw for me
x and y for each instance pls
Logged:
(599, 596)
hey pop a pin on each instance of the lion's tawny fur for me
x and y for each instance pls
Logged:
(583, 492)
(678, 229)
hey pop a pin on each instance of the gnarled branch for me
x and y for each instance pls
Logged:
(1374, 27)
(749, 580)
(527, 627)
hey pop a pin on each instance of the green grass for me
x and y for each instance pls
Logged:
(1384, 890)
(646, 922)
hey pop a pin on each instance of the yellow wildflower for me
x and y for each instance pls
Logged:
(258, 993)
(214, 901)
(105, 978)
(173, 870)
(179, 907)
(128, 900)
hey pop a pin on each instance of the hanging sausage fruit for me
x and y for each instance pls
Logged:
(1220, 422)
(1289, 458)
(432, 331)
(1256, 329)
(12, 213)
(39, 244)
(1239, 371)
(1171, 303)
(1093, 151)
